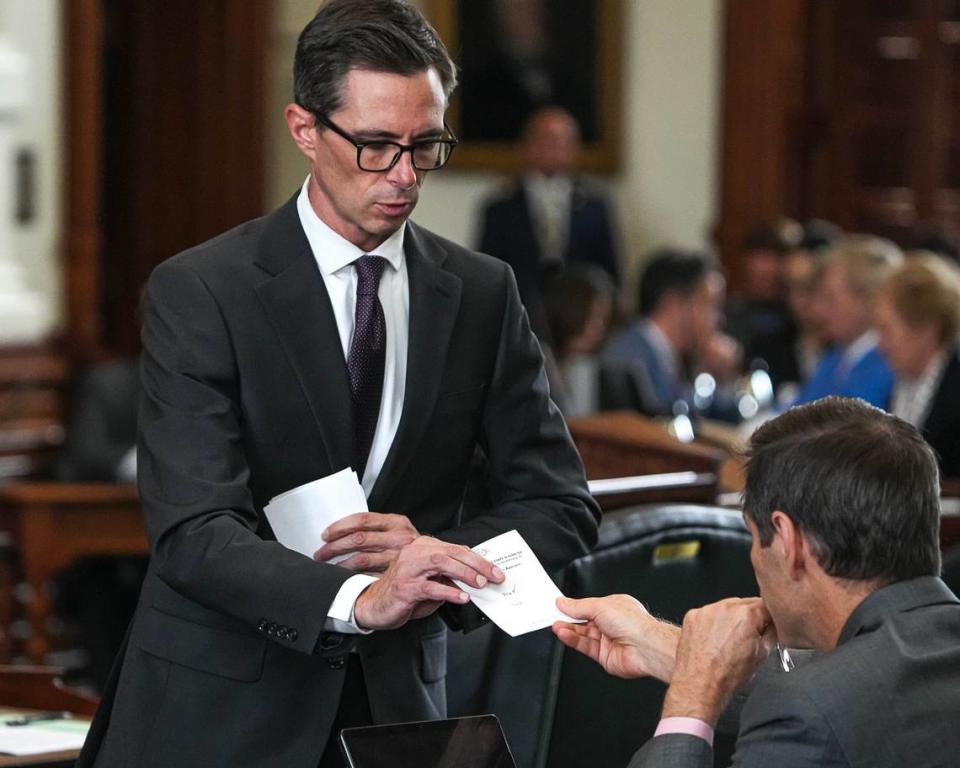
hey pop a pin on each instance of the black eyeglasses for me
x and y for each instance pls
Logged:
(378, 155)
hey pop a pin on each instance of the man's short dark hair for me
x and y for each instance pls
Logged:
(375, 35)
(670, 271)
(861, 484)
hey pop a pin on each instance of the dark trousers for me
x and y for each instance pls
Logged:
(354, 711)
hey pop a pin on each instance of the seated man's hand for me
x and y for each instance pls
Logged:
(417, 582)
(375, 538)
(620, 635)
(721, 646)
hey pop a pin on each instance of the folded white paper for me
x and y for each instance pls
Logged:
(526, 599)
(301, 515)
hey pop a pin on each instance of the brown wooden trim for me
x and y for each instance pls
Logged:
(83, 36)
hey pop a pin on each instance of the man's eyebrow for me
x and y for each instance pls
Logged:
(377, 135)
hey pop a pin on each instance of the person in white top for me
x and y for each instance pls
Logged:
(917, 316)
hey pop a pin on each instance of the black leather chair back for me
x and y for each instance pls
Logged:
(951, 569)
(558, 708)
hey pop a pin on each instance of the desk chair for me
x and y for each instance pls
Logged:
(560, 709)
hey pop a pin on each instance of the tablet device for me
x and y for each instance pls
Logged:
(460, 742)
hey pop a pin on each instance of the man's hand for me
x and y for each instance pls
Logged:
(620, 635)
(417, 582)
(720, 355)
(376, 539)
(721, 646)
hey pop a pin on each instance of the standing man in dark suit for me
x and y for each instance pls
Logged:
(549, 217)
(842, 501)
(332, 333)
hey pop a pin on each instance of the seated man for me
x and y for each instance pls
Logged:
(842, 501)
(680, 299)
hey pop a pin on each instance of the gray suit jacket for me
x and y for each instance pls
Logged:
(246, 395)
(888, 696)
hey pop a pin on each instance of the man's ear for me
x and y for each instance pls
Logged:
(791, 544)
(301, 125)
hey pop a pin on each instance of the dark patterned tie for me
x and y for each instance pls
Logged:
(367, 354)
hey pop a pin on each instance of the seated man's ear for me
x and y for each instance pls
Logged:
(791, 544)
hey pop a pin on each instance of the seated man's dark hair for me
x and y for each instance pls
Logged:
(861, 484)
(670, 270)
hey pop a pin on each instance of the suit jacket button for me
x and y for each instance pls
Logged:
(337, 662)
(292, 635)
(330, 641)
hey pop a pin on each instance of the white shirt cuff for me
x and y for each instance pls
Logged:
(340, 616)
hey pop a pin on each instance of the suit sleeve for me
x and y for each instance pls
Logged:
(535, 480)
(782, 726)
(201, 519)
(674, 750)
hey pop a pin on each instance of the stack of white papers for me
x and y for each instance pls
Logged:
(41, 737)
(301, 515)
(526, 599)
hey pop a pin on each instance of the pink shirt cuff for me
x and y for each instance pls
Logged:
(689, 725)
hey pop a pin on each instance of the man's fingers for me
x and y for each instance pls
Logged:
(439, 558)
(367, 521)
(368, 562)
(585, 608)
(573, 637)
(365, 541)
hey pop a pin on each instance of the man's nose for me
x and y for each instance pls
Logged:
(403, 174)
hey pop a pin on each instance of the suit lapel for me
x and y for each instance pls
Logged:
(434, 302)
(295, 299)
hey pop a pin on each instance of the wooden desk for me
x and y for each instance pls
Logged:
(53, 524)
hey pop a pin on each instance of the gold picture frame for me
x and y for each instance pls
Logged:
(493, 96)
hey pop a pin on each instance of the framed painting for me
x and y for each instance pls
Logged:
(514, 56)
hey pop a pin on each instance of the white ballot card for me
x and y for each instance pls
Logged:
(526, 600)
(301, 515)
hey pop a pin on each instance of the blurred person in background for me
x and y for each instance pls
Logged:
(580, 306)
(917, 314)
(792, 364)
(648, 363)
(549, 218)
(759, 317)
(936, 240)
(854, 269)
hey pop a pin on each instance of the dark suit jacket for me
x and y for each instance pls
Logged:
(942, 425)
(886, 697)
(245, 396)
(508, 232)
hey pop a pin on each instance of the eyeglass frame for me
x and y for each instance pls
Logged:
(452, 141)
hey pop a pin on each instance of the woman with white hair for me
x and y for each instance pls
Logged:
(917, 314)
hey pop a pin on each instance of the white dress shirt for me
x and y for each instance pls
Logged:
(912, 398)
(550, 199)
(335, 257)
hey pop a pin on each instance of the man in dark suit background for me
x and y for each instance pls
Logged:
(842, 501)
(549, 217)
(332, 333)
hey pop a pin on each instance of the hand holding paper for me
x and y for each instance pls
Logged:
(369, 540)
(526, 600)
(301, 515)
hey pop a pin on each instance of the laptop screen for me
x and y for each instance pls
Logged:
(464, 742)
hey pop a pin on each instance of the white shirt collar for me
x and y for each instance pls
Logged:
(332, 251)
(859, 348)
(548, 187)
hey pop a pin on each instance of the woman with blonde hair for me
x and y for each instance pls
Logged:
(917, 314)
